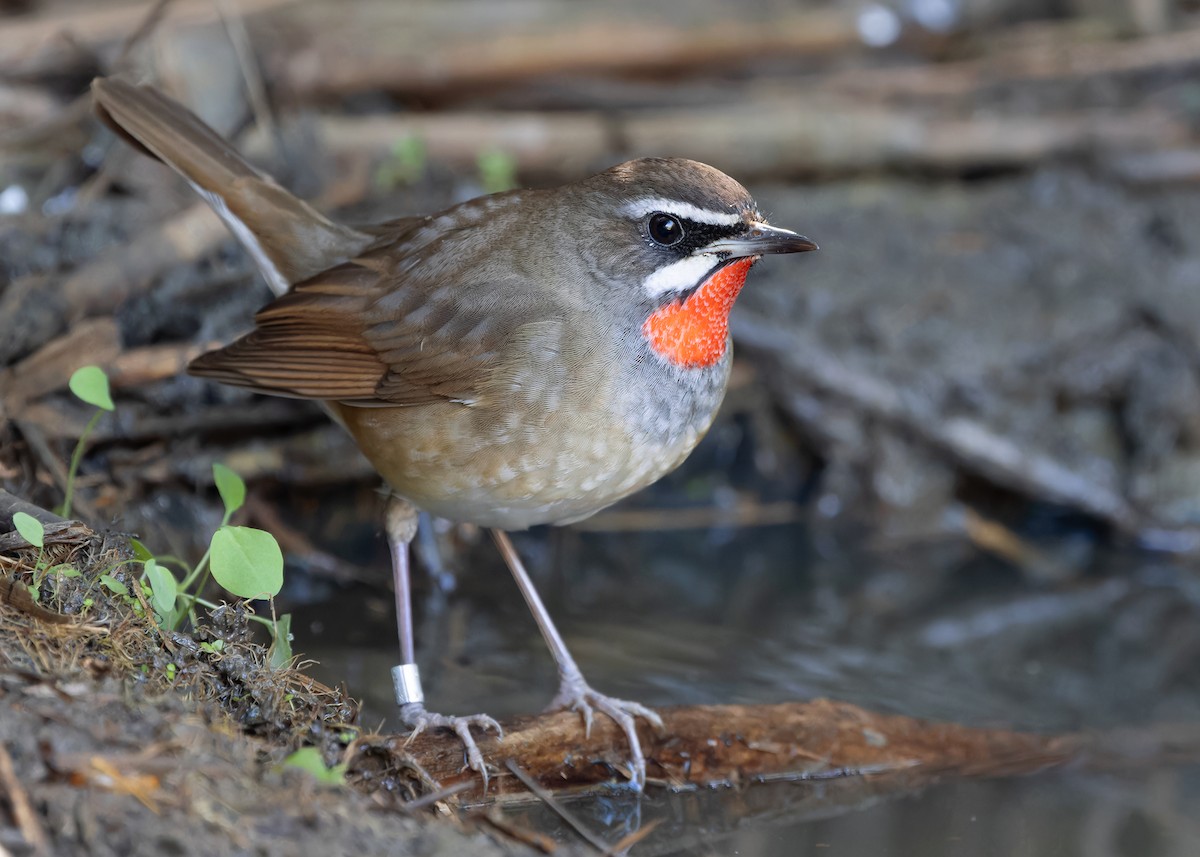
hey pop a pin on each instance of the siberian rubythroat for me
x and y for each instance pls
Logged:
(524, 358)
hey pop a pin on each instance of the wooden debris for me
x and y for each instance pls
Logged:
(37, 308)
(424, 48)
(770, 135)
(62, 39)
(27, 818)
(93, 341)
(1000, 458)
(738, 744)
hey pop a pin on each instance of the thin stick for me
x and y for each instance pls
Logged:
(545, 797)
(256, 90)
(439, 795)
(22, 809)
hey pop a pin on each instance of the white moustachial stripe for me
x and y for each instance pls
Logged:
(641, 207)
(679, 276)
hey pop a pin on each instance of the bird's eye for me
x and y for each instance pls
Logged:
(664, 229)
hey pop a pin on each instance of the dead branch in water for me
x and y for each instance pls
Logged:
(733, 744)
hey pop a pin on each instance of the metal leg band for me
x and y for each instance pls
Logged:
(406, 678)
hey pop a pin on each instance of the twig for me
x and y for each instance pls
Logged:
(524, 835)
(144, 28)
(560, 810)
(235, 27)
(22, 809)
(15, 594)
(434, 797)
(632, 839)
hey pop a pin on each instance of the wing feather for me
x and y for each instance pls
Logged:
(365, 335)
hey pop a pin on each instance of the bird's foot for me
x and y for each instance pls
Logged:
(414, 715)
(575, 694)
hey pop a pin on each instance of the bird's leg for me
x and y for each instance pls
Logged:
(401, 528)
(573, 691)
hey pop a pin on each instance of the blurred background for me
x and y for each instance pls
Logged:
(957, 475)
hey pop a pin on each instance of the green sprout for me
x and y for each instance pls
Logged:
(90, 385)
(245, 561)
(497, 170)
(309, 759)
(404, 165)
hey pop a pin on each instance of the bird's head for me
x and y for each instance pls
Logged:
(682, 235)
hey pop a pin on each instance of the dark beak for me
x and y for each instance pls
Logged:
(760, 240)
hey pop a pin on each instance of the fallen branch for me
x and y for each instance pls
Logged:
(734, 744)
(27, 819)
(1004, 460)
(1059, 52)
(64, 39)
(428, 49)
(37, 308)
(768, 136)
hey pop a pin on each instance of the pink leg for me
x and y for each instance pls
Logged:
(574, 692)
(401, 528)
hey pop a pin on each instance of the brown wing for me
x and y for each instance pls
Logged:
(364, 334)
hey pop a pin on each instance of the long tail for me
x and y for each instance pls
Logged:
(288, 239)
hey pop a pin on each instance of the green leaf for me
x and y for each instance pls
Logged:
(497, 170)
(30, 528)
(163, 588)
(90, 384)
(140, 552)
(114, 585)
(309, 759)
(231, 488)
(247, 562)
(280, 655)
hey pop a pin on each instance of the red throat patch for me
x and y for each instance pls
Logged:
(693, 333)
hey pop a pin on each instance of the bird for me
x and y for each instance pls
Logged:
(524, 358)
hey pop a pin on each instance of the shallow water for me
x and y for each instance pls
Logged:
(796, 611)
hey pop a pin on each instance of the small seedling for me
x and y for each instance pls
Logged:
(405, 164)
(31, 529)
(90, 385)
(245, 561)
(164, 589)
(280, 655)
(309, 759)
(115, 586)
(497, 170)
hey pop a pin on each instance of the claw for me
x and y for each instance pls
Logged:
(575, 694)
(414, 715)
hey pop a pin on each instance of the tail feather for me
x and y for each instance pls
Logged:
(289, 240)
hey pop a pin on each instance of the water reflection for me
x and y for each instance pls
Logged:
(771, 613)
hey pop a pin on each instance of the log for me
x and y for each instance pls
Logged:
(1050, 53)
(64, 39)
(711, 745)
(435, 49)
(768, 136)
